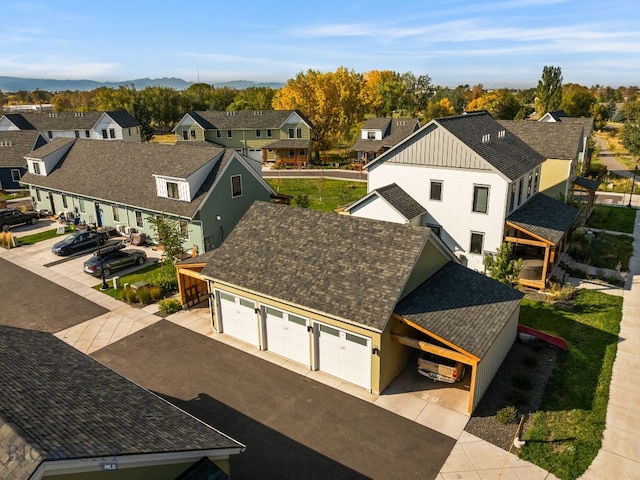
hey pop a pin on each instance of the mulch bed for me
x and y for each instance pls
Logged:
(527, 366)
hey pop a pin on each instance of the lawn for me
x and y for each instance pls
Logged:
(604, 250)
(41, 236)
(323, 194)
(612, 218)
(566, 432)
(156, 274)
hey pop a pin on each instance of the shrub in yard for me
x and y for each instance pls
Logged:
(521, 381)
(5, 240)
(169, 306)
(507, 415)
(561, 292)
(155, 291)
(165, 278)
(129, 295)
(144, 296)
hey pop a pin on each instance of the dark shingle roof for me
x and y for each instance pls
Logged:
(46, 121)
(509, 155)
(122, 172)
(69, 406)
(550, 139)
(347, 267)
(588, 183)
(289, 143)
(247, 119)
(545, 217)
(393, 130)
(19, 121)
(14, 145)
(462, 306)
(404, 203)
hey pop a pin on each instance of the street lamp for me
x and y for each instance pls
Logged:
(104, 285)
(633, 185)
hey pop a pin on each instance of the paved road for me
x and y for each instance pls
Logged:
(293, 427)
(610, 161)
(29, 301)
(316, 173)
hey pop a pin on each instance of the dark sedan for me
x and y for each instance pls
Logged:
(113, 261)
(78, 241)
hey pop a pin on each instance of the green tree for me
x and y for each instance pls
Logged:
(198, 97)
(503, 105)
(107, 99)
(417, 92)
(631, 109)
(2, 99)
(253, 98)
(168, 234)
(549, 90)
(502, 267)
(222, 98)
(578, 102)
(630, 138)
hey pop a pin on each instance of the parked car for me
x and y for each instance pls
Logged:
(78, 241)
(439, 368)
(10, 218)
(112, 261)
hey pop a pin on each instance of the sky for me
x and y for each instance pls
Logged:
(455, 42)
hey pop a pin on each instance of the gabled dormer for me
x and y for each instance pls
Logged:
(44, 160)
(375, 129)
(183, 189)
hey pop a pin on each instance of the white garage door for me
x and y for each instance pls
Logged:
(344, 355)
(238, 318)
(287, 335)
(256, 154)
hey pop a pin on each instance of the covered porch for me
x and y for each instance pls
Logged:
(289, 152)
(540, 231)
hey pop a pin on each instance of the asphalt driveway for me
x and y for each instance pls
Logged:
(293, 427)
(29, 301)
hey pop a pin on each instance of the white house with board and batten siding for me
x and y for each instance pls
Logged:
(468, 173)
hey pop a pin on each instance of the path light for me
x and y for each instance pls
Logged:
(104, 285)
(633, 185)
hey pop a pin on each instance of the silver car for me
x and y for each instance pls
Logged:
(113, 261)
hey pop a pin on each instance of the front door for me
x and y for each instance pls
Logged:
(52, 203)
(98, 214)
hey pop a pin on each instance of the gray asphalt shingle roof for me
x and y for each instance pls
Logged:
(462, 306)
(509, 155)
(122, 172)
(247, 119)
(347, 267)
(68, 406)
(550, 139)
(393, 130)
(404, 203)
(14, 145)
(545, 217)
(46, 121)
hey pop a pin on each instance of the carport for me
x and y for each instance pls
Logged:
(192, 285)
(465, 316)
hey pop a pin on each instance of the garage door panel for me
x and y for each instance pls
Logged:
(344, 355)
(239, 319)
(287, 335)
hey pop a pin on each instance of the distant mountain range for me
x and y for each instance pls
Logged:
(15, 84)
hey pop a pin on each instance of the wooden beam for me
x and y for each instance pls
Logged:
(513, 225)
(525, 241)
(191, 273)
(431, 348)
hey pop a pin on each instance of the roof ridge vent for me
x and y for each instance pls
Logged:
(501, 134)
(486, 138)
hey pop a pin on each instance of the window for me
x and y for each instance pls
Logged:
(302, 152)
(268, 133)
(139, 222)
(258, 133)
(292, 153)
(229, 133)
(172, 190)
(520, 188)
(236, 185)
(291, 133)
(530, 185)
(371, 135)
(104, 133)
(436, 190)
(116, 213)
(50, 134)
(81, 204)
(112, 133)
(129, 132)
(512, 196)
(185, 135)
(36, 168)
(38, 195)
(193, 134)
(476, 242)
(77, 132)
(87, 134)
(218, 133)
(184, 228)
(535, 182)
(298, 133)
(64, 201)
(480, 199)
(15, 175)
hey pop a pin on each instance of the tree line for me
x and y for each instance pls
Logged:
(338, 102)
